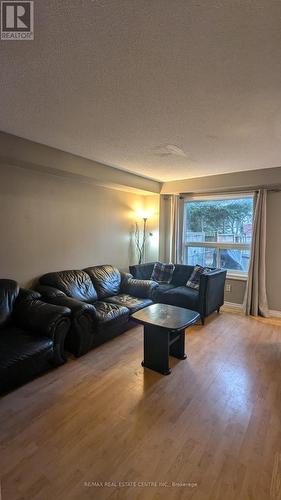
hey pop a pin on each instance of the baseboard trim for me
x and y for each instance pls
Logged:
(233, 305)
(274, 314)
(239, 307)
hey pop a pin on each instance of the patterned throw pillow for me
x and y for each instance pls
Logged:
(162, 273)
(194, 279)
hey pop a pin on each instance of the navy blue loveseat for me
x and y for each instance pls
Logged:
(206, 300)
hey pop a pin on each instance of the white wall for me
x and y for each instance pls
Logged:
(50, 223)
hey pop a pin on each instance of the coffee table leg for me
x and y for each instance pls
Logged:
(156, 349)
(177, 349)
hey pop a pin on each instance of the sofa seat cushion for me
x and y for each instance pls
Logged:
(182, 296)
(20, 348)
(132, 303)
(107, 313)
(160, 290)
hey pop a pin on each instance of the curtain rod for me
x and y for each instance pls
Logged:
(276, 188)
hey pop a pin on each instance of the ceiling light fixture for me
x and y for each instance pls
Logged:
(169, 150)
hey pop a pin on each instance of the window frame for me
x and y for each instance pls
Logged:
(231, 273)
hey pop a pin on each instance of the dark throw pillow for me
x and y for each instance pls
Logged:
(194, 279)
(162, 273)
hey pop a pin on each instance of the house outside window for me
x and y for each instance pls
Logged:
(218, 232)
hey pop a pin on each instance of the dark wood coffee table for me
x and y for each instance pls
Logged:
(164, 328)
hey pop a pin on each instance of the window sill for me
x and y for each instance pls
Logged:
(234, 276)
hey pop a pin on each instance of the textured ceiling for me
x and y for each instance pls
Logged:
(118, 81)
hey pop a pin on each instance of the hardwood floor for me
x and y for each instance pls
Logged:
(212, 427)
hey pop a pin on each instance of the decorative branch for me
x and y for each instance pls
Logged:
(140, 241)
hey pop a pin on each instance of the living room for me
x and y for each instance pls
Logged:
(140, 196)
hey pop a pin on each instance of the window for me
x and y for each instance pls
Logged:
(218, 232)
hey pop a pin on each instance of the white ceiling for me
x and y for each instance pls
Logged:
(118, 81)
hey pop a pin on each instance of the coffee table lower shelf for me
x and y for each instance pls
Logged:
(164, 334)
(159, 344)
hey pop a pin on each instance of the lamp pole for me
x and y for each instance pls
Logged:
(144, 237)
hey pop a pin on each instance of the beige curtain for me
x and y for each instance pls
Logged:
(255, 302)
(171, 228)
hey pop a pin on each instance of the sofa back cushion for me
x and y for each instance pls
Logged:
(9, 291)
(181, 274)
(142, 271)
(106, 280)
(75, 284)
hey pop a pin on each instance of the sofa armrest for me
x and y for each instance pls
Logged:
(74, 305)
(32, 314)
(84, 322)
(211, 291)
(138, 288)
(78, 309)
(55, 296)
(27, 294)
(125, 277)
(49, 292)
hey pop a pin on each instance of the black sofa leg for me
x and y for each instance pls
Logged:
(218, 309)
(202, 320)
